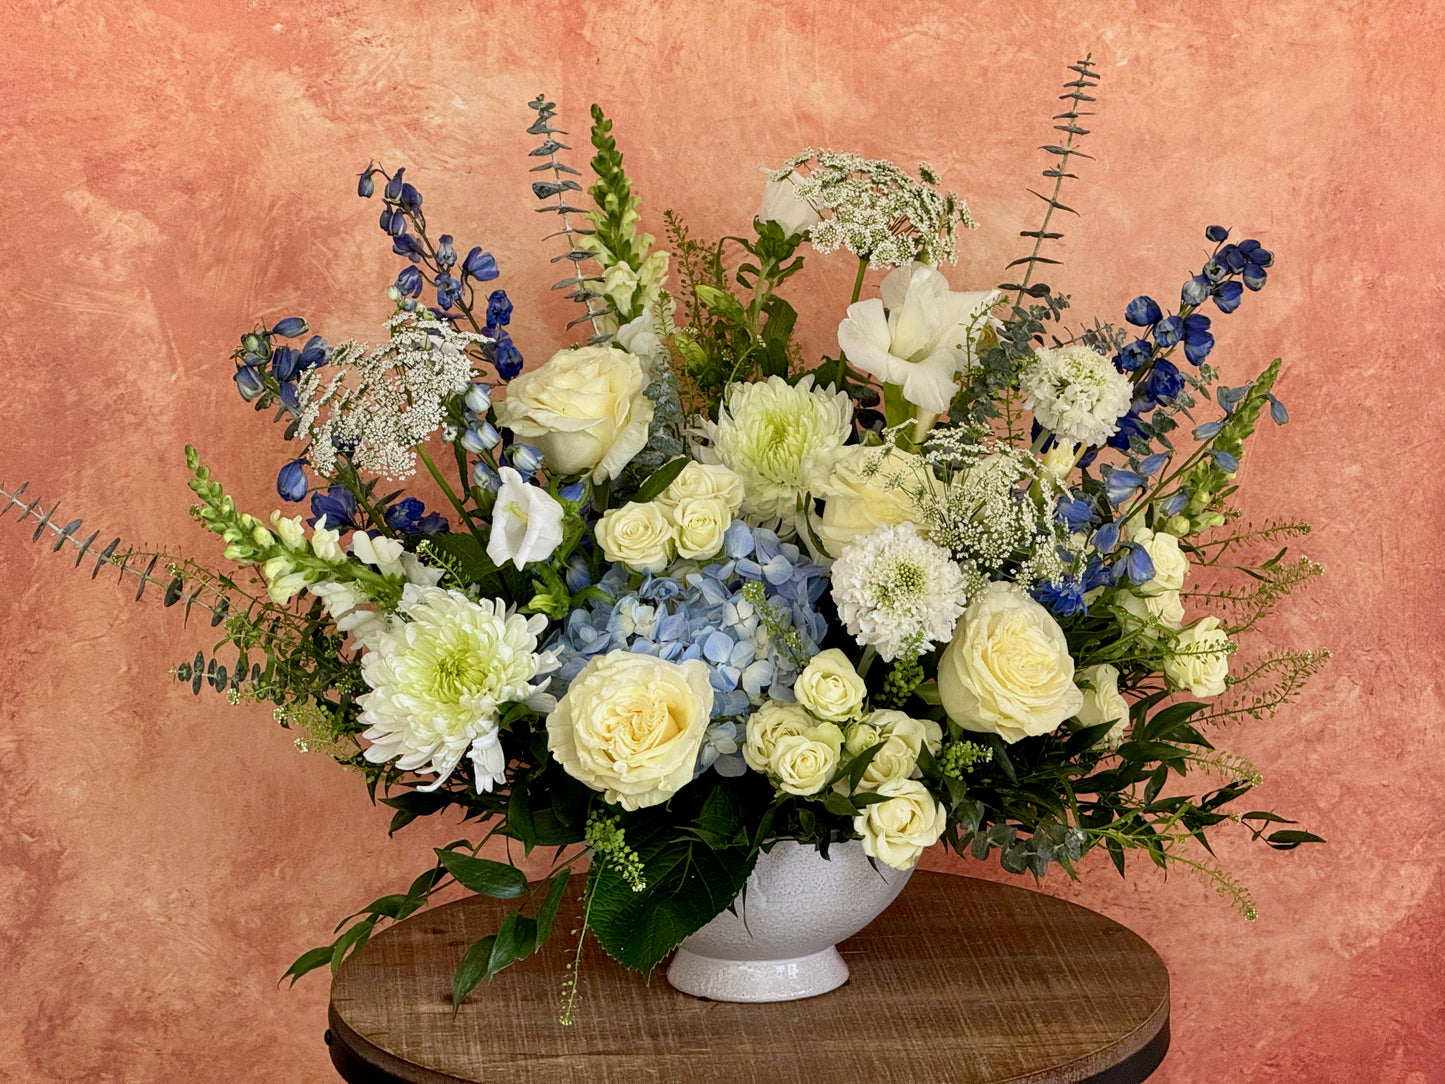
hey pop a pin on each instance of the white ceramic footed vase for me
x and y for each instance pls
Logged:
(779, 946)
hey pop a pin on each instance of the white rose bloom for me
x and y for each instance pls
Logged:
(640, 536)
(895, 590)
(1104, 704)
(1008, 670)
(439, 674)
(865, 488)
(783, 205)
(701, 523)
(1076, 394)
(767, 726)
(1170, 564)
(1164, 610)
(584, 408)
(888, 723)
(1199, 661)
(705, 480)
(804, 763)
(918, 334)
(896, 831)
(771, 433)
(640, 337)
(830, 688)
(631, 726)
(526, 523)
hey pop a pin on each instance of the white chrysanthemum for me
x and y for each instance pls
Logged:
(438, 674)
(771, 434)
(1076, 394)
(894, 589)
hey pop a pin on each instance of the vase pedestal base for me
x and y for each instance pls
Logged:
(757, 980)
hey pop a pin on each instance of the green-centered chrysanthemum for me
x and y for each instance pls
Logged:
(438, 675)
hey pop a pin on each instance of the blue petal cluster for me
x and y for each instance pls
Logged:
(702, 613)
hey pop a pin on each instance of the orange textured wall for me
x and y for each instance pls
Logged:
(176, 170)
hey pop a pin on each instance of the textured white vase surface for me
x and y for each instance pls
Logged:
(779, 946)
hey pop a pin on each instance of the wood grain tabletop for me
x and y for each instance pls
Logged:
(960, 980)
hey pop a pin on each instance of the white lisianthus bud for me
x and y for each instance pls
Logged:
(830, 688)
(639, 536)
(782, 204)
(1059, 460)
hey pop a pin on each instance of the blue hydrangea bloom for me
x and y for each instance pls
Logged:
(701, 613)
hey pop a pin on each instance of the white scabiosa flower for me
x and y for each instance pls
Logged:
(439, 672)
(894, 589)
(1076, 394)
(770, 434)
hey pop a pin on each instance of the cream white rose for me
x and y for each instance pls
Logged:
(1199, 660)
(829, 687)
(767, 726)
(705, 480)
(864, 489)
(700, 525)
(804, 763)
(1164, 610)
(631, 726)
(640, 536)
(888, 723)
(1170, 564)
(1008, 670)
(896, 831)
(584, 408)
(1103, 703)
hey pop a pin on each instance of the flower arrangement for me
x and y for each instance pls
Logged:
(976, 579)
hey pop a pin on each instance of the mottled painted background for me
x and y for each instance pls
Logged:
(175, 171)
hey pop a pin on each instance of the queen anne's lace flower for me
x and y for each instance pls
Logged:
(438, 675)
(1076, 394)
(772, 434)
(895, 590)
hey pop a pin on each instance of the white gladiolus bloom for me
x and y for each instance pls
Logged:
(894, 589)
(1076, 394)
(771, 433)
(439, 674)
(526, 523)
(918, 334)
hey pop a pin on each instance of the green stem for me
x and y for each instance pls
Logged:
(858, 282)
(450, 494)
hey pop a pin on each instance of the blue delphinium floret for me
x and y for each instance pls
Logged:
(410, 516)
(1065, 597)
(338, 505)
(291, 481)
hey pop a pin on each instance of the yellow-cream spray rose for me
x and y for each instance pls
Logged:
(640, 536)
(1104, 704)
(1199, 661)
(896, 831)
(1008, 670)
(803, 763)
(631, 725)
(705, 480)
(830, 688)
(584, 408)
(767, 726)
(1170, 564)
(699, 525)
(864, 489)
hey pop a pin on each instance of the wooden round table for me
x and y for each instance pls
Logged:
(960, 980)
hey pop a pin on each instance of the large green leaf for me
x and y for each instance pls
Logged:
(496, 879)
(688, 884)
